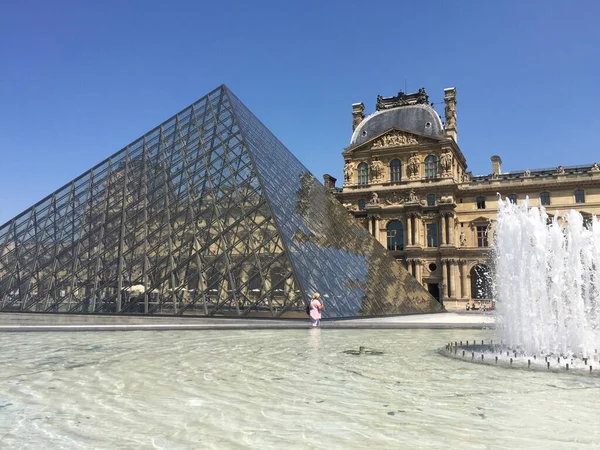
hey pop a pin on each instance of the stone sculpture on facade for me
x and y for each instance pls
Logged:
(413, 166)
(394, 139)
(463, 239)
(412, 197)
(377, 170)
(527, 173)
(446, 164)
(348, 171)
(374, 200)
(595, 167)
(560, 170)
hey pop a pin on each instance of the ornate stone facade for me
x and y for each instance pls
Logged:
(418, 199)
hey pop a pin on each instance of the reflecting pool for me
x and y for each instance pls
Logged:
(280, 389)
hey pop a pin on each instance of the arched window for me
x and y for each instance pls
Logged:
(481, 282)
(395, 170)
(395, 235)
(363, 173)
(579, 196)
(430, 199)
(431, 167)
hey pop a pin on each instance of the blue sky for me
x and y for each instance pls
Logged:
(80, 80)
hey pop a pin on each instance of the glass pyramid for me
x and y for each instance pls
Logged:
(207, 214)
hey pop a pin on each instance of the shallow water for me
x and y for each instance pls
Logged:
(280, 389)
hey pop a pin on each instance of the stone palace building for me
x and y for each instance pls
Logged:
(406, 181)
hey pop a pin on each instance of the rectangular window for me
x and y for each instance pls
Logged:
(395, 171)
(480, 202)
(430, 199)
(362, 204)
(513, 198)
(545, 198)
(432, 235)
(482, 239)
(579, 196)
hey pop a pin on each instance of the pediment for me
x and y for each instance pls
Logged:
(480, 221)
(393, 138)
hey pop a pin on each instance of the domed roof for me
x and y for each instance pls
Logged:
(419, 118)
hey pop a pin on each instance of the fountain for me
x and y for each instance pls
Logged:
(547, 291)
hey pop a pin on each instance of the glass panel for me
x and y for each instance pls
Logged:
(431, 167)
(545, 198)
(432, 235)
(363, 173)
(395, 171)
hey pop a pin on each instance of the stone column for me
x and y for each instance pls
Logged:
(409, 230)
(451, 230)
(445, 278)
(453, 278)
(419, 267)
(417, 225)
(443, 227)
(370, 225)
(377, 225)
(463, 279)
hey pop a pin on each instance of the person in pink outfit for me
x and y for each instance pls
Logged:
(315, 309)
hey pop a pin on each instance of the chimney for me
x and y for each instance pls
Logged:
(358, 114)
(329, 181)
(496, 163)
(450, 112)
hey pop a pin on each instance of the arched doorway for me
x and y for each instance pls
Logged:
(481, 282)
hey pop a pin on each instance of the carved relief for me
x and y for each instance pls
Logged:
(412, 167)
(377, 170)
(463, 239)
(396, 138)
(348, 171)
(350, 206)
(467, 177)
(394, 199)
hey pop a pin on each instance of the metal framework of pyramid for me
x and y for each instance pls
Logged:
(207, 214)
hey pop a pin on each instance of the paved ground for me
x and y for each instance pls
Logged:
(11, 322)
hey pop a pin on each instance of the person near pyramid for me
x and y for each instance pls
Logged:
(315, 309)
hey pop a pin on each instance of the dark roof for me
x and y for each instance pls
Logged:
(419, 118)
